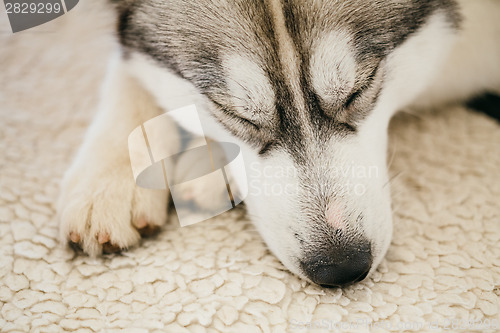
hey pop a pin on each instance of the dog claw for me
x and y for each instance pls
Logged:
(103, 238)
(141, 223)
(74, 237)
(108, 248)
(76, 247)
(148, 230)
(144, 228)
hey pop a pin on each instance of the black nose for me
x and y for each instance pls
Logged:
(337, 268)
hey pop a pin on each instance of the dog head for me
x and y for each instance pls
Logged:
(307, 90)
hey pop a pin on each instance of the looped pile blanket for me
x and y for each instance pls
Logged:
(442, 270)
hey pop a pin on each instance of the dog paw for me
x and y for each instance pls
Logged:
(105, 212)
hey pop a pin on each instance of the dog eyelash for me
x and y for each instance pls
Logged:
(249, 122)
(266, 148)
(351, 99)
(354, 96)
(236, 116)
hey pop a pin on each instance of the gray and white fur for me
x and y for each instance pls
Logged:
(306, 88)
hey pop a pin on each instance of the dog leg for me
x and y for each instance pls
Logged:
(201, 193)
(100, 208)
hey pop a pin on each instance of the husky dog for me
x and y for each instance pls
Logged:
(306, 88)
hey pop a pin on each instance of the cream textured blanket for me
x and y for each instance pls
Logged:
(442, 270)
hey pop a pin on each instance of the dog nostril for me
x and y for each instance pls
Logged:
(348, 271)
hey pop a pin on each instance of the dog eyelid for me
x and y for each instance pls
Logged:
(266, 148)
(236, 116)
(247, 121)
(352, 98)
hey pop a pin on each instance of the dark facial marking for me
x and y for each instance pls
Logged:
(377, 28)
(190, 37)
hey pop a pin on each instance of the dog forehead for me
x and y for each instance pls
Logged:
(249, 88)
(190, 36)
(377, 27)
(332, 65)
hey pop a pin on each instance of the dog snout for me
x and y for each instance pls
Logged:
(336, 268)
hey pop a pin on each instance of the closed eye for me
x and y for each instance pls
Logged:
(352, 98)
(266, 148)
(246, 121)
(355, 95)
(237, 117)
